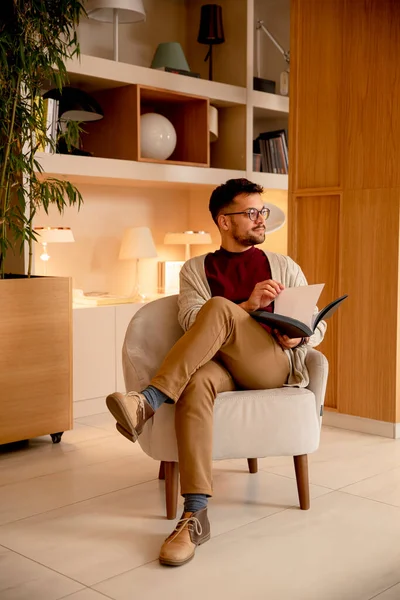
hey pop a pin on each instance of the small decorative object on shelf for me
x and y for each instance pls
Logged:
(284, 79)
(168, 276)
(171, 55)
(213, 123)
(157, 136)
(116, 11)
(264, 85)
(74, 105)
(137, 242)
(51, 235)
(211, 31)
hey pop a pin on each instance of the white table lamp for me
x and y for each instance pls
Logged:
(51, 235)
(137, 242)
(187, 238)
(116, 11)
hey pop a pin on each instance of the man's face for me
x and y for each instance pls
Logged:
(240, 227)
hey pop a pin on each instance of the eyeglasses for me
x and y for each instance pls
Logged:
(252, 213)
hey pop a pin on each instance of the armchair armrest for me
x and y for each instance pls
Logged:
(318, 369)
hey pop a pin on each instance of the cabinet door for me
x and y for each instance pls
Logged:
(124, 314)
(94, 352)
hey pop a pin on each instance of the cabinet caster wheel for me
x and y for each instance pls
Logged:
(56, 437)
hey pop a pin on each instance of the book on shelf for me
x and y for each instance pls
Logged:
(256, 162)
(294, 311)
(273, 147)
(50, 123)
(178, 71)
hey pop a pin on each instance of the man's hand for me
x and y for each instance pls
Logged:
(288, 343)
(263, 294)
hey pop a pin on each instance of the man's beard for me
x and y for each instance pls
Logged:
(251, 238)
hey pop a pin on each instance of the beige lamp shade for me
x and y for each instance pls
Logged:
(51, 235)
(137, 242)
(129, 11)
(213, 123)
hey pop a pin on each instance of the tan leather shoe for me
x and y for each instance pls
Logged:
(131, 411)
(193, 529)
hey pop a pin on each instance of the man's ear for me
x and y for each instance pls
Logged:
(223, 222)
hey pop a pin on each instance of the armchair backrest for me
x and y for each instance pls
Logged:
(152, 332)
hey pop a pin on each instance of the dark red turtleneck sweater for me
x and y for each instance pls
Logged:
(233, 275)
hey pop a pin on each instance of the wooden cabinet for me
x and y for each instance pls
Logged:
(345, 190)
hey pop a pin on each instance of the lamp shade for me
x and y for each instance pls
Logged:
(188, 237)
(51, 235)
(211, 28)
(75, 104)
(213, 123)
(129, 11)
(170, 54)
(137, 242)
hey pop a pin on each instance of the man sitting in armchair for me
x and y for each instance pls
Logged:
(223, 349)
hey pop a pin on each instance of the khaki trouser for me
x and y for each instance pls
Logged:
(225, 349)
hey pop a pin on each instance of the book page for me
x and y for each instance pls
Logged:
(299, 302)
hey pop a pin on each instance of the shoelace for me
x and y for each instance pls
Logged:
(182, 524)
(141, 404)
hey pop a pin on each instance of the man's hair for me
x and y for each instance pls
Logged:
(225, 194)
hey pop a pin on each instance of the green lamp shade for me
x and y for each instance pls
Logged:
(170, 54)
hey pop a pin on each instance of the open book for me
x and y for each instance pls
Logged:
(294, 311)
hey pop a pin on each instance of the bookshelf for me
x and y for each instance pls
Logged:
(242, 111)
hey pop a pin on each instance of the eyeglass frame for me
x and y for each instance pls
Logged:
(247, 212)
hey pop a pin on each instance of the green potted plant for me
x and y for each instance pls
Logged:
(36, 39)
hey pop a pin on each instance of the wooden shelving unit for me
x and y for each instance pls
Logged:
(116, 156)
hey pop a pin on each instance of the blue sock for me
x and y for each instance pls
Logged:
(155, 397)
(195, 502)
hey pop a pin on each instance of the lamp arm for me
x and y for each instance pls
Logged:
(260, 26)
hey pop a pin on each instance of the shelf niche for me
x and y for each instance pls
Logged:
(118, 134)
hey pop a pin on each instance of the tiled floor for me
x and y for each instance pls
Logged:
(84, 520)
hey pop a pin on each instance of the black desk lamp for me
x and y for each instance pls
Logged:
(211, 31)
(74, 105)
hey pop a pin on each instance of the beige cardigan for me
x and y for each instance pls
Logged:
(195, 291)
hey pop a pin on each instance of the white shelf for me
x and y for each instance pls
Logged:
(270, 181)
(93, 73)
(269, 105)
(107, 171)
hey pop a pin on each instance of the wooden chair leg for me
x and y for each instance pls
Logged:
(161, 473)
(303, 487)
(171, 488)
(253, 465)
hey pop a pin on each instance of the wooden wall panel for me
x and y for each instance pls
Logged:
(370, 94)
(317, 251)
(315, 94)
(345, 140)
(368, 320)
